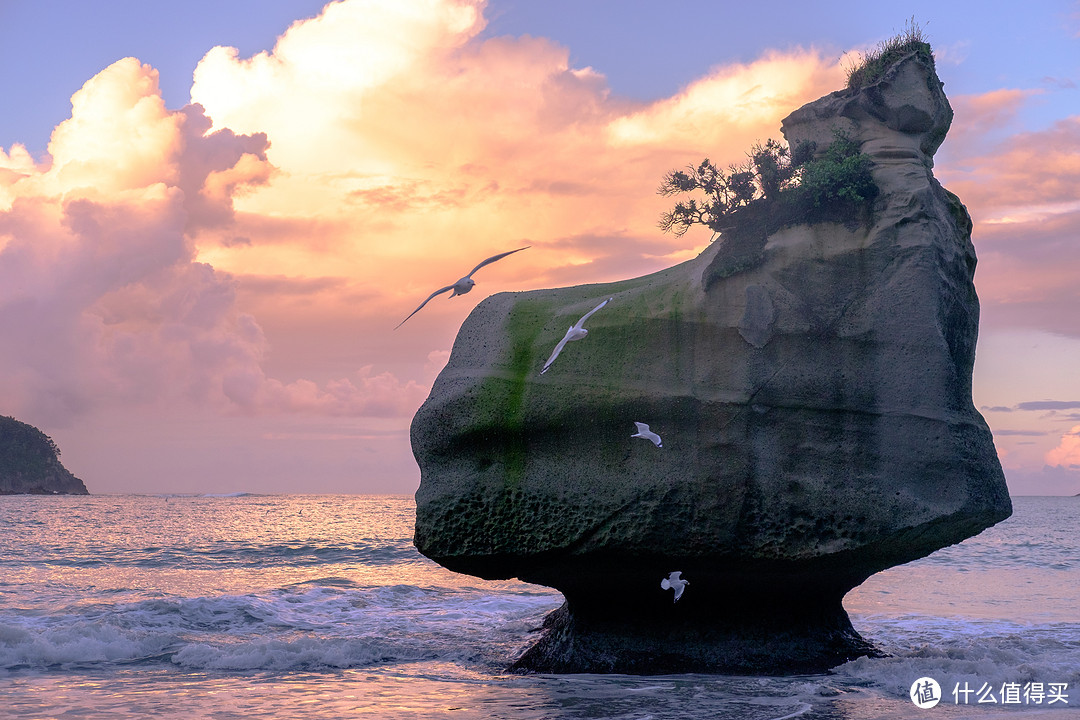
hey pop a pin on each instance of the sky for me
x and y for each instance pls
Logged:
(212, 215)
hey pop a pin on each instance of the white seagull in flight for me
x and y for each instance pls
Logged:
(676, 583)
(576, 332)
(463, 285)
(643, 431)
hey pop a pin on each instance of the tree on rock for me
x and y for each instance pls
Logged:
(793, 183)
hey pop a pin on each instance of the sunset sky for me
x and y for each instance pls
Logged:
(213, 214)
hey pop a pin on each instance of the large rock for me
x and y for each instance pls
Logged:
(815, 408)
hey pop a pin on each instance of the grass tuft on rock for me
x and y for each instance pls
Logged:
(872, 66)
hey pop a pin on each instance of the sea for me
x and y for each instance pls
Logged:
(294, 606)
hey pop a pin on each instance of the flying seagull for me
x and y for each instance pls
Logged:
(576, 332)
(643, 431)
(676, 583)
(463, 285)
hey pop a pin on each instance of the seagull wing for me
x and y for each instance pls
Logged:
(587, 315)
(641, 427)
(493, 258)
(440, 290)
(556, 351)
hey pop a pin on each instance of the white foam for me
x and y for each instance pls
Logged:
(955, 651)
(304, 626)
(82, 642)
(301, 653)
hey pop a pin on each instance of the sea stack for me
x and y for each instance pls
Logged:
(814, 399)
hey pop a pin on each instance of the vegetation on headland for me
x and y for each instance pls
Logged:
(780, 185)
(23, 447)
(30, 461)
(785, 184)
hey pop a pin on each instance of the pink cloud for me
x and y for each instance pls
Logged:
(464, 148)
(1033, 168)
(977, 115)
(215, 166)
(246, 254)
(1023, 192)
(365, 394)
(436, 361)
(103, 301)
(337, 179)
(1067, 453)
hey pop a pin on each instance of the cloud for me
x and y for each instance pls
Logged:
(216, 166)
(1038, 168)
(398, 175)
(119, 135)
(978, 115)
(103, 301)
(1048, 405)
(366, 394)
(1067, 453)
(1023, 192)
(736, 100)
(350, 50)
(1059, 83)
(285, 285)
(250, 251)
(436, 361)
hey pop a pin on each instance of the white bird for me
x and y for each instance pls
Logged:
(676, 583)
(643, 431)
(576, 332)
(463, 285)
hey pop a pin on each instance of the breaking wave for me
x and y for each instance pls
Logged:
(309, 626)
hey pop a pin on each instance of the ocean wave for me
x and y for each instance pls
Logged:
(77, 642)
(305, 626)
(230, 495)
(374, 552)
(234, 554)
(965, 653)
(299, 654)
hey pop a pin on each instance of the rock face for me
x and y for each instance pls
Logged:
(30, 463)
(815, 409)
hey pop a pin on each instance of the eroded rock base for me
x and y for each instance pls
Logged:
(812, 641)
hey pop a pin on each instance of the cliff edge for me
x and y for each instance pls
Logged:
(815, 409)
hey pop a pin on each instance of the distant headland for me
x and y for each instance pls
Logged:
(30, 463)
